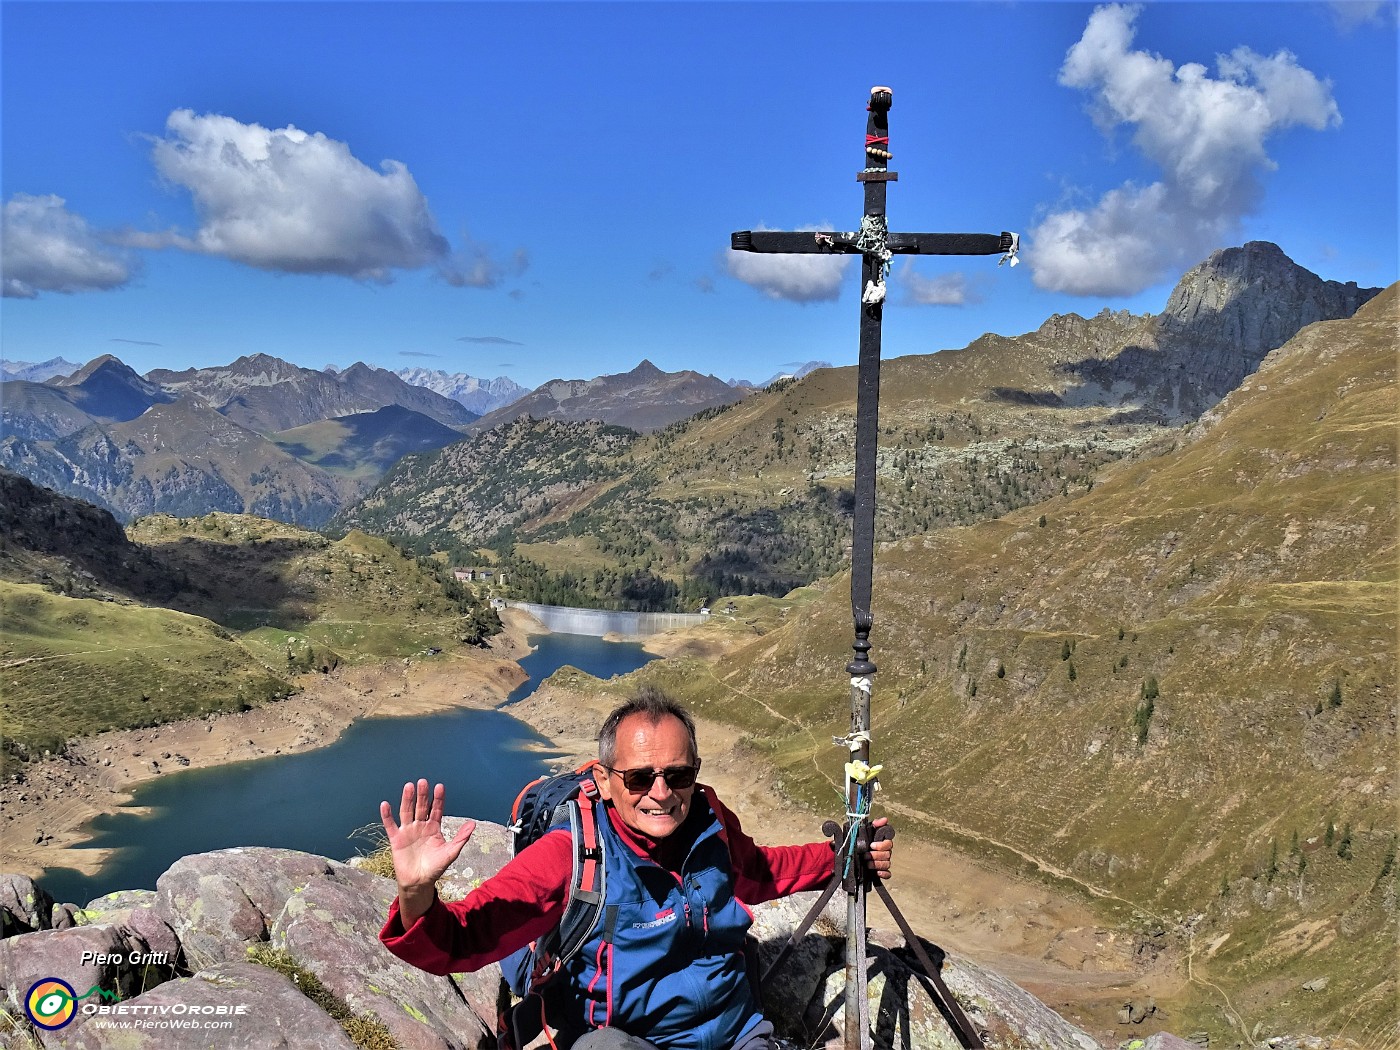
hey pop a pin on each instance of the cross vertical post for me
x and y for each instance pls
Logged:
(876, 246)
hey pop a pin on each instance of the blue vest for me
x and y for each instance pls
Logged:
(667, 960)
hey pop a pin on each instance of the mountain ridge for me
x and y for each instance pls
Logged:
(642, 399)
(755, 496)
(477, 395)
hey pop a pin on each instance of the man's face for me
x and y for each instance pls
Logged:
(643, 744)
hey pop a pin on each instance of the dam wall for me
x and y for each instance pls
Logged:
(628, 626)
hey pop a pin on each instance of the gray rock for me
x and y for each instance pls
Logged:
(329, 928)
(24, 906)
(59, 954)
(209, 909)
(1135, 1011)
(1317, 984)
(1167, 1041)
(135, 911)
(275, 1015)
(64, 916)
(903, 1014)
(790, 988)
(220, 903)
(485, 854)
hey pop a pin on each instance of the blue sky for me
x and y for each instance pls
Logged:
(547, 190)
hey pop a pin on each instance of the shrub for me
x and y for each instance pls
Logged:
(1142, 719)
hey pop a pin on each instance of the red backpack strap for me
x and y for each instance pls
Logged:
(590, 857)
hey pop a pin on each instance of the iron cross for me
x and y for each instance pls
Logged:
(876, 246)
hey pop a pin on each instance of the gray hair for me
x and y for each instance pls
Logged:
(653, 705)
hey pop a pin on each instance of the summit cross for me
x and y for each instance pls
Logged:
(876, 246)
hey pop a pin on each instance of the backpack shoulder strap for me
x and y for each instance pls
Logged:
(588, 883)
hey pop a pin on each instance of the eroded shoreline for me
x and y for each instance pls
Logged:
(45, 813)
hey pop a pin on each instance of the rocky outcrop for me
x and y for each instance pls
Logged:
(194, 955)
(1254, 299)
(1223, 317)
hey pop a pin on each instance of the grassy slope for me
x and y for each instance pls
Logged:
(72, 666)
(1249, 573)
(265, 602)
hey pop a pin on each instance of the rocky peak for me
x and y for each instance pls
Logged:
(358, 370)
(262, 369)
(1254, 298)
(108, 367)
(108, 389)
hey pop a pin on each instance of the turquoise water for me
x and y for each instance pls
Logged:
(315, 801)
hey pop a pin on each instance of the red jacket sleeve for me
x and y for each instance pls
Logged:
(520, 903)
(765, 873)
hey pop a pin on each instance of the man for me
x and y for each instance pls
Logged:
(666, 969)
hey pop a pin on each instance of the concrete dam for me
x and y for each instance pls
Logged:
(626, 626)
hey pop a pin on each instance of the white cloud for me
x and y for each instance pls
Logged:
(797, 278)
(46, 248)
(1205, 134)
(287, 200)
(1350, 14)
(947, 289)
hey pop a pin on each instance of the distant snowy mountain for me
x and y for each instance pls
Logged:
(479, 395)
(798, 373)
(37, 373)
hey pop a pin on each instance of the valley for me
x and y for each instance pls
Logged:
(1135, 624)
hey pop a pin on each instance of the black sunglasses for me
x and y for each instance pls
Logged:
(638, 781)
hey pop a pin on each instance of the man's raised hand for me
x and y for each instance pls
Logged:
(421, 854)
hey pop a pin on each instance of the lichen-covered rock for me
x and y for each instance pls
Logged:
(219, 903)
(790, 988)
(64, 916)
(485, 853)
(24, 906)
(91, 960)
(1167, 1041)
(903, 1014)
(274, 1015)
(329, 928)
(135, 910)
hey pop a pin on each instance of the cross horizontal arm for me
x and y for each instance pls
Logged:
(809, 243)
(949, 243)
(833, 243)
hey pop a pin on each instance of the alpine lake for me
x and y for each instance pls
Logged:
(326, 801)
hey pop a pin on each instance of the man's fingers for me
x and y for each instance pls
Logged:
(422, 808)
(406, 806)
(464, 832)
(435, 814)
(386, 817)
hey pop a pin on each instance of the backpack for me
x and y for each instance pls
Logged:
(542, 805)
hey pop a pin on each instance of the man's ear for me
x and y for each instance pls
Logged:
(604, 782)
